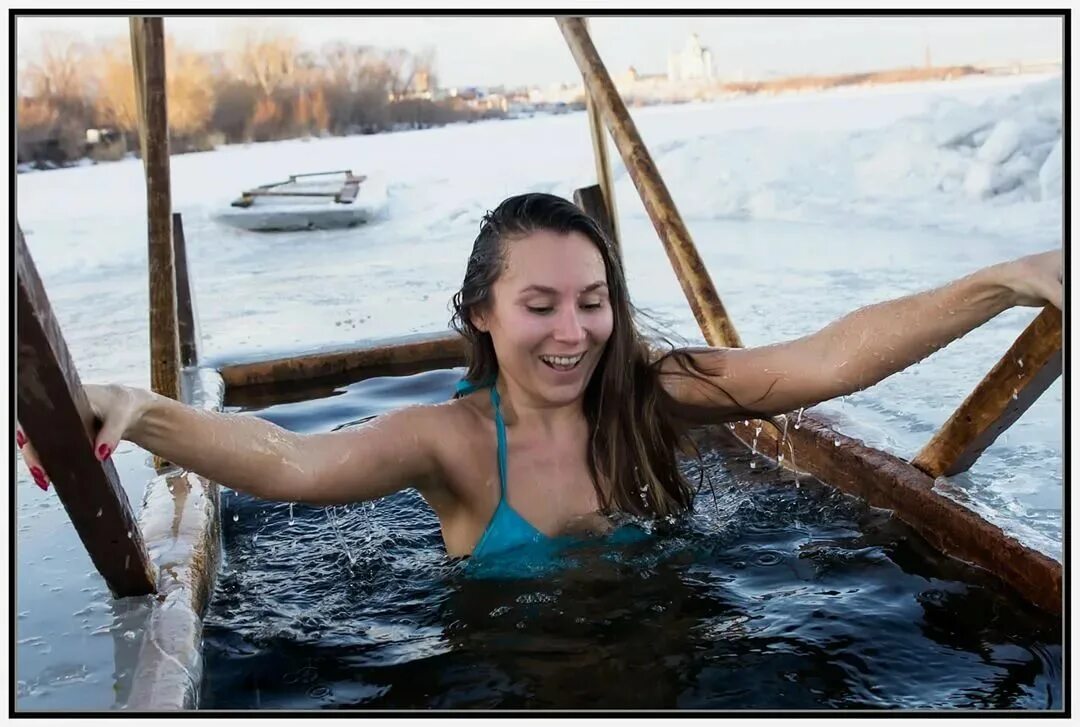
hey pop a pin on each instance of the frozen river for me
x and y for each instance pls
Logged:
(803, 206)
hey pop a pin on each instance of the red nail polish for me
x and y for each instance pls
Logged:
(20, 438)
(42, 483)
(37, 473)
(103, 452)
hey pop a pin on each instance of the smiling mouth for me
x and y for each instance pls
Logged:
(563, 363)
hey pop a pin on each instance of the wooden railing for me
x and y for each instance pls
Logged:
(56, 416)
(879, 478)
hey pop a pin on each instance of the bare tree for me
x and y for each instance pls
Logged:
(266, 59)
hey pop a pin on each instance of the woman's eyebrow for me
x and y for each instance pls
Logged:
(552, 291)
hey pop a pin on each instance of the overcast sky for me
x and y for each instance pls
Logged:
(530, 50)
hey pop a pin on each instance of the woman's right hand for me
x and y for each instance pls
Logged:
(116, 408)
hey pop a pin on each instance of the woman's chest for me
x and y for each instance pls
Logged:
(547, 482)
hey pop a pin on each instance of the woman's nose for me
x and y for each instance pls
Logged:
(568, 327)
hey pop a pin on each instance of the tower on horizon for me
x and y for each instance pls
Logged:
(693, 63)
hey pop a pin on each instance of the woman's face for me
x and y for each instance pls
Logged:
(549, 316)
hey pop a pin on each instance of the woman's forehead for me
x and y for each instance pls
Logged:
(554, 260)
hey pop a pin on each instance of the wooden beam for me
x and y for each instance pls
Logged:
(390, 356)
(187, 324)
(148, 61)
(54, 413)
(591, 200)
(885, 481)
(689, 268)
(1026, 370)
(603, 163)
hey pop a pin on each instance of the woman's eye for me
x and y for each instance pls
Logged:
(540, 310)
(591, 306)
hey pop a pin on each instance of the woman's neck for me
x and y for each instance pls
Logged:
(522, 409)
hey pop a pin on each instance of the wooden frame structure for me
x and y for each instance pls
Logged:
(350, 187)
(174, 549)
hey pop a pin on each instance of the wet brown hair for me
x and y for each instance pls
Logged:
(635, 435)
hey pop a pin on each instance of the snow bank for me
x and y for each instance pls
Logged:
(981, 151)
(982, 161)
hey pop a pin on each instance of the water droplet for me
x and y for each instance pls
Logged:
(99, 512)
(781, 458)
(798, 418)
(129, 635)
(836, 443)
(235, 517)
(290, 514)
(753, 465)
(1014, 396)
(1020, 362)
(129, 535)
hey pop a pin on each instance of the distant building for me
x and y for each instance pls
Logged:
(421, 84)
(692, 63)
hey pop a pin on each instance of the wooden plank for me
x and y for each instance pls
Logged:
(348, 192)
(187, 324)
(603, 163)
(56, 416)
(689, 268)
(440, 350)
(889, 482)
(591, 200)
(148, 58)
(346, 172)
(1027, 369)
(272, 193)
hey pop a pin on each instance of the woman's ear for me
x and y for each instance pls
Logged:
(479, 320)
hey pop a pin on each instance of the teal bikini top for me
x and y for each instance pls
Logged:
(524, 551)
(507, 528)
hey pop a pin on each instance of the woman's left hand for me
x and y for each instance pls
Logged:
(1034, 280)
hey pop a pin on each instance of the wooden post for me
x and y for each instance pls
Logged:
(591, 200)
(603, 163)
(187, 325)
(148, 61)
(1026, 370)
(54, 412)
(689, 269)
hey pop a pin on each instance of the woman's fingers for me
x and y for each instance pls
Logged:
(1036, 279)
(30, 457)
(1049, 267)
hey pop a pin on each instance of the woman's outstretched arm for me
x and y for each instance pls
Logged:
(254, 456)
(860, 349)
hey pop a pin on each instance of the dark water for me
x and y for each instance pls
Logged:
(770, 596)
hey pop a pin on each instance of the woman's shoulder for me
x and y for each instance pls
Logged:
(450, 425)
(456, 432)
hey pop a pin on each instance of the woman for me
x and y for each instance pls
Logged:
(566, 414)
